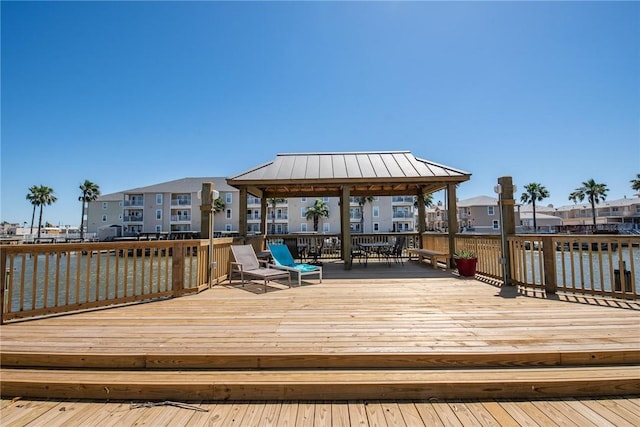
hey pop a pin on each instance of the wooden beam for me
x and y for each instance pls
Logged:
(345, 231)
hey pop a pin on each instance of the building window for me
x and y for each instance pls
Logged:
(496, 224)
(303, 199)
(158, 228)
(325, 199)
(376, 211)
(105, 205)
(104, 218)
(227, 227)
(158, 199)
(158, 214)
(229, 197)
(326, 228)
(228, 213)
(376, 227)
(303, 227)
(303, 212)
(490, 210)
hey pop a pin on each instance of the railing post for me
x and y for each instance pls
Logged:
(508, 225)
(177, 269)
(452, 218)
(549, 260)
(3, 282)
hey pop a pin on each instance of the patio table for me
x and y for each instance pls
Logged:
(374, 248)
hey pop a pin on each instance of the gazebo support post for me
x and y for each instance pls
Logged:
(421, 215)
(263, 220)
(345, 230)
(242, 217)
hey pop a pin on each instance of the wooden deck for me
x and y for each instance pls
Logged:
(401, 332)
(557, 412)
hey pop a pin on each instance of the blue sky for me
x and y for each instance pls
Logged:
(128, 94)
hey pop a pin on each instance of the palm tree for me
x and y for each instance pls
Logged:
(534, 192)
(363, 200)
(218, 205)
(43, 196)
(635, 184)
(90, 192)
(32, 197)
(592, 191)
(427, 199)
(574, 196)
(273, 202)
(317, 211)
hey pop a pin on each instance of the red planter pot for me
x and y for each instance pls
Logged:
(466, 266)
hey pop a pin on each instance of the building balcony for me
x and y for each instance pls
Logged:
(132, 218)
(402, 200)
(135, 202)
(402, 215)
(180, 202)
(180, 218)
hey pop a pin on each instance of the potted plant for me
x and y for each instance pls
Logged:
(466, 262)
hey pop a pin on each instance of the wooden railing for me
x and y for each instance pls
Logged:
(607, 265)
(46, 279)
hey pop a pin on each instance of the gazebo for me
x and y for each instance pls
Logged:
(347, 174)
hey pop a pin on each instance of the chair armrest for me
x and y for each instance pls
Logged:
(236, 264)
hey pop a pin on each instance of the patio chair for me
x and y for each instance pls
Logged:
(284, 260)
(360, 253)
(246, 263)
(395, 251)
(315, 252)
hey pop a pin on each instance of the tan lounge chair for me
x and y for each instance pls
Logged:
(246, 263)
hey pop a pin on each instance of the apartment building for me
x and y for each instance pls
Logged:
(169, 207)
(624, 213)
(174, 207)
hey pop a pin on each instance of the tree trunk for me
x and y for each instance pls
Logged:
(33, 218)
(40, 222)
(82, 222)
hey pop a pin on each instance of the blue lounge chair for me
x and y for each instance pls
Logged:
(283, 259)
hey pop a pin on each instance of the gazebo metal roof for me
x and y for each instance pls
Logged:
(383, 173)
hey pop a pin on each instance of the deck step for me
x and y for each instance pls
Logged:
(319, 384)
(318, 360)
